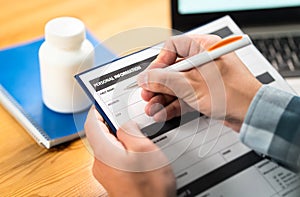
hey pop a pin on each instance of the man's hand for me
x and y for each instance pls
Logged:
(129, 164)
(222, 89)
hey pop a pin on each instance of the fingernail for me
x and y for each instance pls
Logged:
(156, 107)
(161, 116)
(142, 79)
(132, 128)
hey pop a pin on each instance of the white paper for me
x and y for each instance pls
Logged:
(202, 146)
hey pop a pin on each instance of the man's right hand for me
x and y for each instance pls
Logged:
(221, 89)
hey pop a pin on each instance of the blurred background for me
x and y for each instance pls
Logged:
(21, 21)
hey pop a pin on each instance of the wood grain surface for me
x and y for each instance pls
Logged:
(26, 169)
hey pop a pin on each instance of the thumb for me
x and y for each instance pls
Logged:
(165, 82)
(132, 138)
(100, 139)
(142, 154)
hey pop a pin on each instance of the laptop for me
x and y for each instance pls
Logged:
(274, 27)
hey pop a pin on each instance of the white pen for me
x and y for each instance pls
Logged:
(222, 47)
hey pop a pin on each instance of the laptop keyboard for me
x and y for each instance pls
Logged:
(282, 52)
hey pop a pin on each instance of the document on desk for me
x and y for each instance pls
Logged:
(207, 158)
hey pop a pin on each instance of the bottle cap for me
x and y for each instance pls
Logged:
(65, 32)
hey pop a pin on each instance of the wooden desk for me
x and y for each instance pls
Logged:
(26, 169)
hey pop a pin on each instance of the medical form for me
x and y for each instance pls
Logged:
(207, 158)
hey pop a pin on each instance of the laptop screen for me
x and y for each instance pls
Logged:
(213, 6)
(188, 14)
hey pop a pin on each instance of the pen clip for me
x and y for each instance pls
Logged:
(224, 42)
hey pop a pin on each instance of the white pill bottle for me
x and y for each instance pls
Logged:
(65, 52)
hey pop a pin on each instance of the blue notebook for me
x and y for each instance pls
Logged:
(20, 94)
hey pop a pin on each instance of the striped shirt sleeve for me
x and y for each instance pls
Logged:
(272, 126)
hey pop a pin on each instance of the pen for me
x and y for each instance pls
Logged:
(222, 47)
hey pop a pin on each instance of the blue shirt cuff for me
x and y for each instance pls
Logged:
(267, 126)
